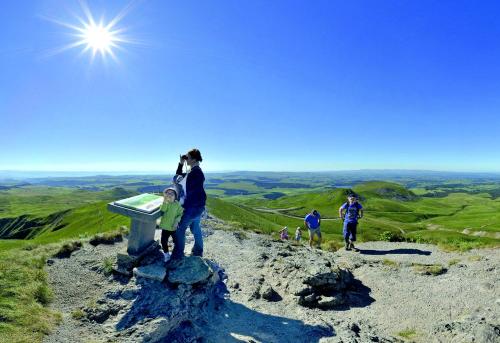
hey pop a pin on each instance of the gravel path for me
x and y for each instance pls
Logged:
(404, 300)
(460, 305)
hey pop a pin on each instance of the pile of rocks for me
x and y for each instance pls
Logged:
(155, 309)
(310, 277)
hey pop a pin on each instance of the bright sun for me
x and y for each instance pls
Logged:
(97, 37)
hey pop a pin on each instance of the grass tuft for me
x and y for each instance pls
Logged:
(107, 238)
(77, 314)
(408, 333)
(390, 236)
(452, 262)
(429, 269)
(390, 263)
(475, 258)
(43, 294)
(107, 266)
(331, 246)
(67, 249)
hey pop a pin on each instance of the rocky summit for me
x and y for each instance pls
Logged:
(251, 288)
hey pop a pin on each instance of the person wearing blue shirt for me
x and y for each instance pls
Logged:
(312, 221)
(350, 212)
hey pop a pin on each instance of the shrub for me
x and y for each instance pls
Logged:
(390, 236)
(67, 249)
(107, 265)
(417, 238)
(77, 314)
(106, 238)
(43, 294)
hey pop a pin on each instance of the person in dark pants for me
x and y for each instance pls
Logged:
(350, 212)
(171, 211)
(193, 202)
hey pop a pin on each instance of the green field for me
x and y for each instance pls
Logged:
(37, 217)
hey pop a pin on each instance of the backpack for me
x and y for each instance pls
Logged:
(347, 211)
(180, 187)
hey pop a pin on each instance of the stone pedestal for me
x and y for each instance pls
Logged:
(142, 227)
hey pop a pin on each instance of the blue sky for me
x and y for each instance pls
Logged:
(255, 85)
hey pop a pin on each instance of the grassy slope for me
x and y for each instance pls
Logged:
(41, 201)
(24, 292)
(24, 295)
(391, 207)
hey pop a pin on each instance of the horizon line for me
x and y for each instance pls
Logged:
(157, 172)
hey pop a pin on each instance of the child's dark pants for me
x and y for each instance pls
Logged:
(165, 234)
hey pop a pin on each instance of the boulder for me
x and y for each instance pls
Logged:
(189, 270)
(154, 272)
(328, 303)
(269, 294)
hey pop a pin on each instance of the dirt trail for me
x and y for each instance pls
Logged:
(460, 304)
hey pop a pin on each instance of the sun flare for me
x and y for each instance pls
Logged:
(100, 38)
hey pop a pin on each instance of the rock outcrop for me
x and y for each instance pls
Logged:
(310, 277)
(154, 311)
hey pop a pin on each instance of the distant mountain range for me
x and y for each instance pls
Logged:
(14, 175)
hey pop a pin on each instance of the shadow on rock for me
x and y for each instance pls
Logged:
(173, 310)
(395, 252)
(235, 322)
(357, 295)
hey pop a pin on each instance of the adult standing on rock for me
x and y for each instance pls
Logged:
(312, 221)
(193, 204)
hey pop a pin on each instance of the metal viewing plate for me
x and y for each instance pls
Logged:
(146, 202)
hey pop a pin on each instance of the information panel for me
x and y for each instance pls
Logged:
(146, 202)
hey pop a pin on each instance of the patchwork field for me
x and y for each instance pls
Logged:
(458, 213)
(38, 216)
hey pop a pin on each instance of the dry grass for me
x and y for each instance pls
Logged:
(107, 238)
(475, 258)
(391, 264)
(67, 249)
(429, 269)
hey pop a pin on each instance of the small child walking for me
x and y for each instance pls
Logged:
(298, 234)
(284, 234)
(171, 215)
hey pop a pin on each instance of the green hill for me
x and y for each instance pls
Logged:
(37, 211)
(459, 220)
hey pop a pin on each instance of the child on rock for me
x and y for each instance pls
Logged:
(171, 211)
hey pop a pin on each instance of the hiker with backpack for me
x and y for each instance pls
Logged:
(193, 199)
(312, 221)
(350, 212)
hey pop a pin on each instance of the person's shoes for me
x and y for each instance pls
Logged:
(353, 247)
(347, 246)
(166, 257)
